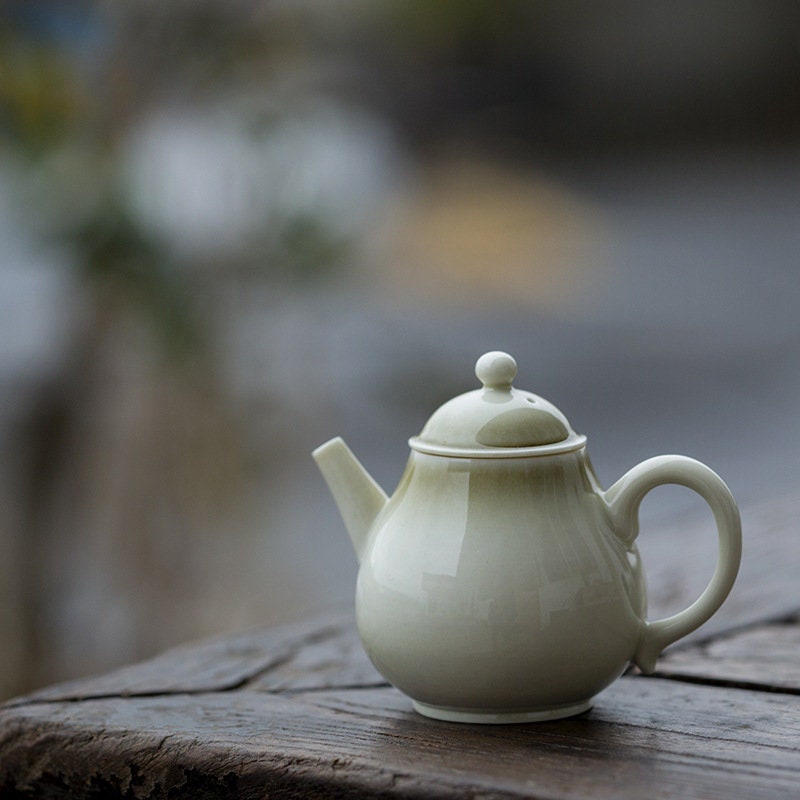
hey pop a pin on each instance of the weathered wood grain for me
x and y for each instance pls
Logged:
(766, 657)
(645, 738)
(323, 652)
(282, 733)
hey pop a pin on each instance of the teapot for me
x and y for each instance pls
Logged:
(500, 583)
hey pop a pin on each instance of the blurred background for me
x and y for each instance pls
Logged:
(231, 229)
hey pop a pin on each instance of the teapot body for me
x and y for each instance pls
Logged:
(496, 589)
(500, 583)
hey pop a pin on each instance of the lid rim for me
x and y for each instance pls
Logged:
(574, 442)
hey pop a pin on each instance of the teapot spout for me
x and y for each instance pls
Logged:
(357, 495)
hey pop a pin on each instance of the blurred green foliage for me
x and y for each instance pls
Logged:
(115, 254)
(42, 99)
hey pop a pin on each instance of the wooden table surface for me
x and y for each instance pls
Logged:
(298, 712)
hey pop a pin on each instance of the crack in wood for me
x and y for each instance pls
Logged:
(726, 683)
(325, 634)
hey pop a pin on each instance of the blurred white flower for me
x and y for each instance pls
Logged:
(206, 182)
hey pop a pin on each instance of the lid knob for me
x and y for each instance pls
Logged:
(496, 370)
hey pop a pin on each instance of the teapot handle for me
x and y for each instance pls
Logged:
(623, 500)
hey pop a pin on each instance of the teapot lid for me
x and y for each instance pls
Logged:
(497, 421)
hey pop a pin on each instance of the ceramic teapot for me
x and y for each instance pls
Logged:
(500, 583)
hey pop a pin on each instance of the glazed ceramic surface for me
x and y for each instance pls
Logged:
(501, 583)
